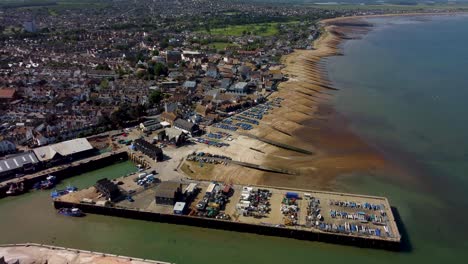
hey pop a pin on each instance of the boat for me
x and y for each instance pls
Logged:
(15, 189)
(48, 183)
(57, 193)
(74, 212)
(71, 189)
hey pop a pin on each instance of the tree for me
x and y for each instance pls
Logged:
(160, 69)
(155, 97)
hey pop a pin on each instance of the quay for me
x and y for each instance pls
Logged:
(342, 218)
(38, 253)
(67, 170)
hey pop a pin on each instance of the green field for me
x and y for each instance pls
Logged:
(261, 29)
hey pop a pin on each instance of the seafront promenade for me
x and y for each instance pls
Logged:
(30, 253)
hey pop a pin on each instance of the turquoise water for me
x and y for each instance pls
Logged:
(402, 88)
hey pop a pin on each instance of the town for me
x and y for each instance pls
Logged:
(189, 93)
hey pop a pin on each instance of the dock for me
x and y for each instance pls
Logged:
(343, 218)
(67, 170)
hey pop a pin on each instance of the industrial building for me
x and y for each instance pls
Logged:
(108, 189)
(168, 193)
(18, 164)
(64, 151)
(148, 149)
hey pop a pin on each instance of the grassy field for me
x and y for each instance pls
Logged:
(261, 29)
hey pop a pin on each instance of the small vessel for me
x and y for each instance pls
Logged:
(48, 183)
(71, 189)
(57, 193)
(16, 188)
(74, 212)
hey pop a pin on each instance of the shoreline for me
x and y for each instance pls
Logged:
(307, 120)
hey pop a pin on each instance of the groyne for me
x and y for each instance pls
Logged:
(278, 144)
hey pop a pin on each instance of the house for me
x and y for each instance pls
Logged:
(173, 56)
(190, 86)
(108, 189)
(167, 193)
(7, 146)
(239, 88)
(7, 95)
(168, 117)
(187, 127)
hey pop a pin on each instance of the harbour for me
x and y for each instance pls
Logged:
(368, 223)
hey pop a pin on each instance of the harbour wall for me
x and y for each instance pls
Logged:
(70, 171)
(234, 226)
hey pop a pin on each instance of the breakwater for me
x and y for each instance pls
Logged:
(66, 171)
(268, 230)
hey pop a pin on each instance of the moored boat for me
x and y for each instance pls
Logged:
(15, 189)
(48, 183)
(74, 212)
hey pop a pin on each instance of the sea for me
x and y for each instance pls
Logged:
(403, 89)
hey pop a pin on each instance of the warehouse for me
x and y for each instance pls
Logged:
(65, 151)
(18, 164)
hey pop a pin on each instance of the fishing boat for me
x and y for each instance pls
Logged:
(48, 183)
(15, 189)
(74, 212)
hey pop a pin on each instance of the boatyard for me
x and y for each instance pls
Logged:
(305, 214)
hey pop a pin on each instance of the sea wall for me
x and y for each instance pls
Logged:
(234, 226)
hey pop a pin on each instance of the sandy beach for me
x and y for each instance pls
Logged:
(306, 119)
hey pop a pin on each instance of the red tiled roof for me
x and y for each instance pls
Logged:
(7, 93)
